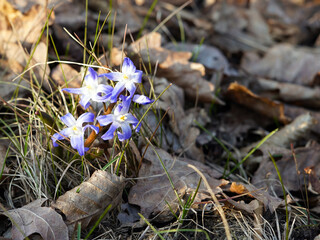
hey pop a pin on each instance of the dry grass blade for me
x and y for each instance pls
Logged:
(218, 205)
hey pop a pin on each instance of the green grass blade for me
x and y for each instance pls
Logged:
(252, 151)
(98, 221)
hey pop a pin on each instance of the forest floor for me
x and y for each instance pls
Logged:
(228, 149)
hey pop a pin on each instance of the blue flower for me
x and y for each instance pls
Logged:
(75, 131)
(126, 79)
(119, 119)
(91, 89)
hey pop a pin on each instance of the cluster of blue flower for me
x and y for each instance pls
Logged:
(92, 90)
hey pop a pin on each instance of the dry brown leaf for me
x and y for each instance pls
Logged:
(292, 173)
(86, 202)
(27, 26)
(153, 190)
(173, 98)
(270, 202)
(292, 132)
(314, 182)
(290, 93)
(175, 66)
(18, 31)
(243, 96)
(210, 57)
(63, 73)
(32, 218)
(293, 112)
(237, 188)
(250, 207)
(279, 142)
(8, 69)
(287, 63)
(238, 28)
(42, 70)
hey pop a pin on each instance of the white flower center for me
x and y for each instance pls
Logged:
(76, 130)
(122, 118)
(125, 77)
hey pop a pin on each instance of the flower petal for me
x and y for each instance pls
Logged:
(125, 105)
(63, 134)
(77, 142)
(92, 74)
(85, 117)
(128, 66)
(141, 99)
(114, 76)
(126, 132)
(104, 93)
(117, 90)
(110, 133)
(74, 90)
(104, 120)
(85, 101)
(68, 120)
(96, 129)
(131, 87)
(137, 128)
(131, 119)
(106, 89)
(117, 110)
(57, 136)
(136, 77)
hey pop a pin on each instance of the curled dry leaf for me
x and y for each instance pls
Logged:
(32, 218)
(279, 142)
(175, 66)
(243, 96)
(294, 111)
(285, 62)
(292, 132)
(292, 172)
(86, 202)
(153, 191)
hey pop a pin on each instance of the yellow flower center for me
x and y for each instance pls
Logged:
(125, 77)
(122, 118)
